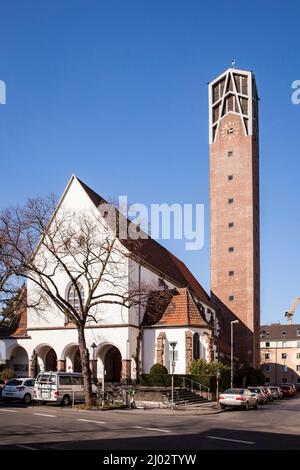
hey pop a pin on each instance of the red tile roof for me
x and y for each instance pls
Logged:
(158, 257)
(177, 307)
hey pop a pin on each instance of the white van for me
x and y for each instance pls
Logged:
(60, 387)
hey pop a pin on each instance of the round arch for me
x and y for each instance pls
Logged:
(111, 360)
(46, 357)
(71, 356)
(19, 361)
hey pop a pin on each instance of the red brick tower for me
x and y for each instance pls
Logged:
(234, 208)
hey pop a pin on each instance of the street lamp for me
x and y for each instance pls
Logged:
(94, 346)
(173, 346)
(233, 322)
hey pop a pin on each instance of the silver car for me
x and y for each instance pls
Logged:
(261, 396)
(238, 398)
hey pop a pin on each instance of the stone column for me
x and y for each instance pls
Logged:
(126, 371)
(61, 365)
(30, 371)
(160, 348)
(188, 350)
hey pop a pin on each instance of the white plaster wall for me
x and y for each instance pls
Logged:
(76, 199)
(2, 351)
(172, 334)
(149, 350)
(60, 340)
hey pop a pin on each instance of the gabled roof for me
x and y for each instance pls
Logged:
(279, 332)
(176, 308)
(158, 257)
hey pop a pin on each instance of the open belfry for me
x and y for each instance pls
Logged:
(234, 210)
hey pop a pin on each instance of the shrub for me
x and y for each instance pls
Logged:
(206, 373)
(158, 369)
(7, 374)
(248, 376)
(158, 377)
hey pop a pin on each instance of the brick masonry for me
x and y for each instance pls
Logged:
(243, 165)
(188, 350)
(160, 348)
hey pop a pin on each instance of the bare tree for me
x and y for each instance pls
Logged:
(9, 292)
(45, 245)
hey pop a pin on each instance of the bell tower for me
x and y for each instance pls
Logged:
(234, 208)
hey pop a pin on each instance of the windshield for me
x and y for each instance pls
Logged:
(46, 378)
(14, 382)
(235, 391)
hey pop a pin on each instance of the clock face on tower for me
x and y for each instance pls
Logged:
(230, 130)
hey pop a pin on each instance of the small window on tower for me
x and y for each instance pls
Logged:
(231, 298)
(230, 177)
(231, 273)
(231, 224)
(231, 249)
(230, 153)
(230, 200)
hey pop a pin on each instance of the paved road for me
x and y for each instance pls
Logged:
(274, 426)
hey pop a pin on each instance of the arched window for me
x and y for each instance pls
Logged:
(196, 346)
(73, 297)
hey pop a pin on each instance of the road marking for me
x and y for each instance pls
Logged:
(231, 440)
(42, 414)
(27, 447)
(9, 411)
(152, 429)
(91, 421)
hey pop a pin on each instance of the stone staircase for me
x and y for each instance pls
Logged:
(185, 397)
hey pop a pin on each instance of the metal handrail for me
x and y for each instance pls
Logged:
(192, 382)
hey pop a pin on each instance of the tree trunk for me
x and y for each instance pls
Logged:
(85, 363)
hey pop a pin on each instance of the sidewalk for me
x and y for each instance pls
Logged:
(153, 409)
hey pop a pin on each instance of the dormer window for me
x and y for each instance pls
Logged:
(161, 283)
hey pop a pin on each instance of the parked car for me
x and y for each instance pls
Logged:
(2, 383)
(60, 387)
(238, 397)
(276, 392)
(18, 389)
(287, 390)
(268, 393)
(261, 396)
(293, 386)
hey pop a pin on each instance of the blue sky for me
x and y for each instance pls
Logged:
(116, 92)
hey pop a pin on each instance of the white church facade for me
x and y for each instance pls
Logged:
(125, 342)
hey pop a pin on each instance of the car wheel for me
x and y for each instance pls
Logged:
(223, 407)
(27, 398)
(255, 406)
(247, 406)
(66, 401)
